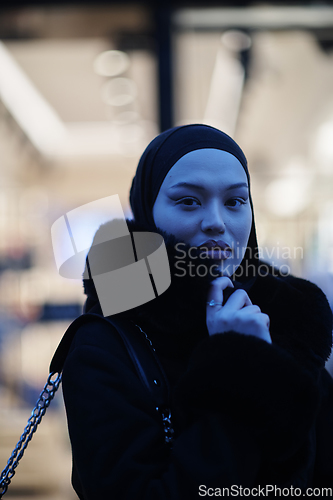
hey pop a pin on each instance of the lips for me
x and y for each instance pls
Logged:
(219, 245)
(216, 249)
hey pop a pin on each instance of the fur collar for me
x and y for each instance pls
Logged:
(301, 319)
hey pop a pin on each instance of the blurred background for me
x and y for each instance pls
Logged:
(83, 88)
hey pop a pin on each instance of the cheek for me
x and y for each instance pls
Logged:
(242, 237)
(168, 220)
(181, 227)
(247, 229)
(243, 228)
(161, 214)
(164, 223)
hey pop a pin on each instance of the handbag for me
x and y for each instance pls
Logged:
(148, 368)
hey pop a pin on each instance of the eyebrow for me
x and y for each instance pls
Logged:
(197, 186)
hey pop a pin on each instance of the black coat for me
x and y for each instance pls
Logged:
(245, 412)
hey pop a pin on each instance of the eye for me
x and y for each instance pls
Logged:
(235, 202)
(188, 202)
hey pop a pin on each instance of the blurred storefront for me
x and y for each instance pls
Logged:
(82, 92)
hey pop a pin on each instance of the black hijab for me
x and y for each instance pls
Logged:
(158, 158)
(186, 296)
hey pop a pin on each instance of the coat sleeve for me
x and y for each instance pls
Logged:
(273, 390)
(256, 384)
(323, 475)
(117, 437)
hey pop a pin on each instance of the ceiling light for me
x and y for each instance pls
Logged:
(119, 91)
(324, 145)
(111, 63)
(33, 113)
(236, 40)
(288, 196)
(267, 17)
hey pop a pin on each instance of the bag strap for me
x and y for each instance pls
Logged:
(141, 353)
(140, 350)
(43, 402)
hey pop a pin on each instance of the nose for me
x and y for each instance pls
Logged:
(212, 221)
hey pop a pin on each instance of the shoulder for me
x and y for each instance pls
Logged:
(299, 311)
(306, 288)
(94, 337)
(92, 330)
(275, 281)
(274, 287)
(301, 297)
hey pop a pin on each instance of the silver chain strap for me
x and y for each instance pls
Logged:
(37, 414)
(167, 426)
(39, 411)
(164, 412)
(146, 337)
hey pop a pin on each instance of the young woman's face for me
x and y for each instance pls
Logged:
(204, 201)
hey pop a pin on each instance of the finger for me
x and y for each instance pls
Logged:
(253, 309)
(215, 291)
(238, 300)
(267, 319)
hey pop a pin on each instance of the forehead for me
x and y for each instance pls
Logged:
(207, 165)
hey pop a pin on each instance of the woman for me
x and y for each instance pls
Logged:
(251, 402)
